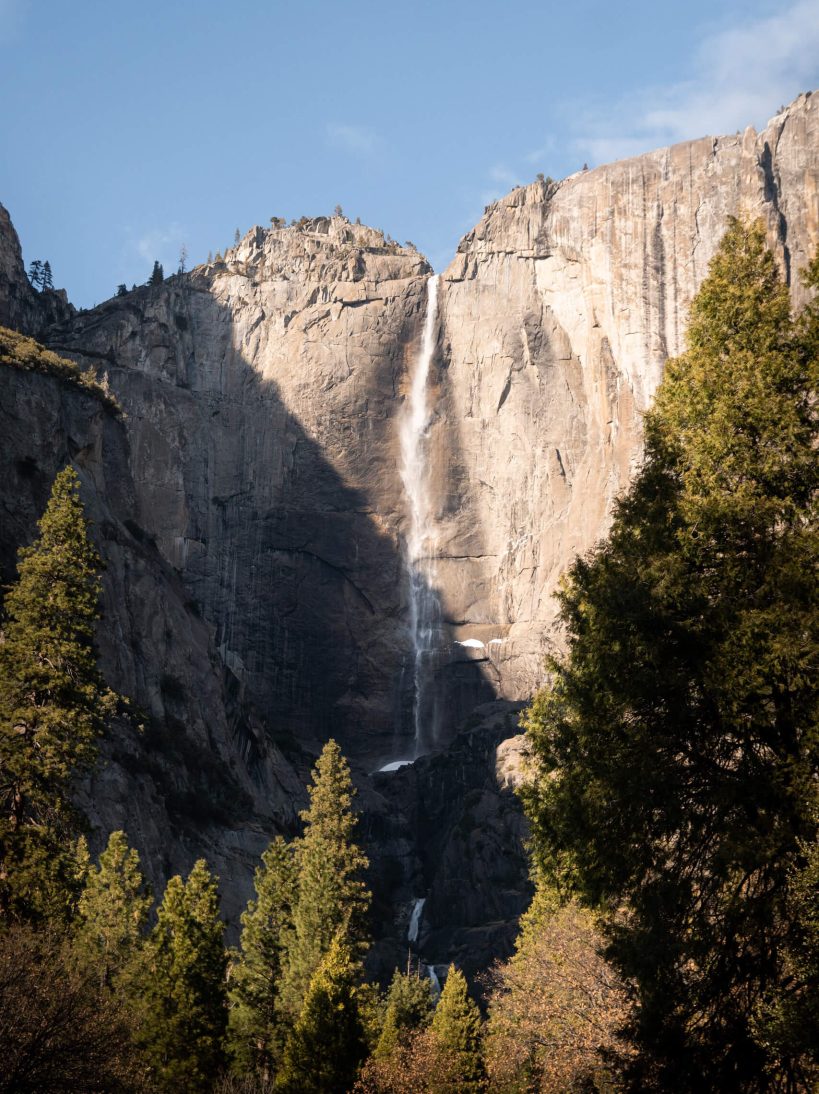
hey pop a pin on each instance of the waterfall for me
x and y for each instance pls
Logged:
(415, 919)
(424, 606)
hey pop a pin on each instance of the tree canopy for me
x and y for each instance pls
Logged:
(53, 705)
(677, 744)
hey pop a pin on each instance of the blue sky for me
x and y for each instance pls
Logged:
(128, 129)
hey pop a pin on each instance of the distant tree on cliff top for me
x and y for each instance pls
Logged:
(157, 274)
(35, 273)
(122, 289)
(53, 706)
(48, 280)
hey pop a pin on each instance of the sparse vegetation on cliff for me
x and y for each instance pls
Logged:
(18, 351)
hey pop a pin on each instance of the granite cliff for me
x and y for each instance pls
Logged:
(250, 508)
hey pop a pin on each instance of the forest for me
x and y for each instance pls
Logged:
(672, 793)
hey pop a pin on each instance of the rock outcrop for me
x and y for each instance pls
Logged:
(250, 509)
(558, 313)
(21, 307)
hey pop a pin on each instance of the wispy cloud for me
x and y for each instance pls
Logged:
(739, 77)
(357, 139)
(158, 243)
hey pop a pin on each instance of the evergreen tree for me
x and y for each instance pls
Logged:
(122, 289)
(157, 274)
(112, 911)
(47, 279)
(183, 259)
(237, 238)
(182, 984)
(255, 1019)
(456, 1030)
(331, 894)
(677, 747)
(35, 273)
(53, 706)
(327, 1044)
(410, 1007)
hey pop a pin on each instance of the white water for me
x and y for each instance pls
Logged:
(395, 765)
(424, 606)
(415, 919)
(432, 973)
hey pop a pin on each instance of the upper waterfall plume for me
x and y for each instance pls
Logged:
(424, 605)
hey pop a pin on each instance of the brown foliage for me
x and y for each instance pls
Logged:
(418, 1065)
(58, 1032)
(556, 1008)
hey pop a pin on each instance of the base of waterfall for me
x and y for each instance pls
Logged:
(394, 765)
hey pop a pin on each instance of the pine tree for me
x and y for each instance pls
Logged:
(35, 273)
(327, 1045)
(237, 238)
(456, 1031)
(182, 984)
(331, 897)
(112, 911)
(677, 746)
(409, 998)
(157, 274)
(47, 279)
(53, 706)
(255, 1019)
(183, 259)
(122, 289)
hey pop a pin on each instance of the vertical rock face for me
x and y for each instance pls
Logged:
(559, 311)
(261, 396)
(21, 306)
(250, 507)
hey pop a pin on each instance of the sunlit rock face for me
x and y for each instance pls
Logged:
(252, 511)
(558, 313)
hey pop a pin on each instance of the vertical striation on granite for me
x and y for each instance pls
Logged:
(261, 395)
(558, 313)
(250, 509)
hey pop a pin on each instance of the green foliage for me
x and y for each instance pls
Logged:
(255, 1020)
(788, 1016)
(677, 746)
(456, 1030)
(112, 911)
(327, 1044)
(157, 274)
(17, 351)
(331, 897)
(410, 998)
(181, 986)
(35, 273)
(53, 706)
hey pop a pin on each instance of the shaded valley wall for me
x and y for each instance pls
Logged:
(250, 510)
